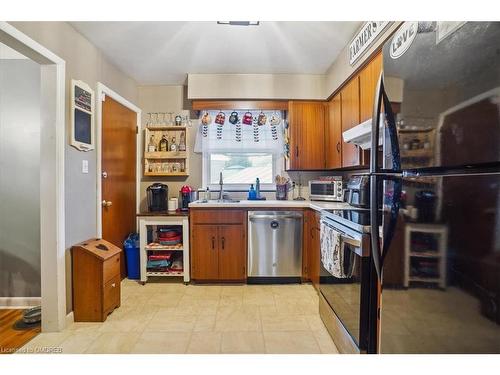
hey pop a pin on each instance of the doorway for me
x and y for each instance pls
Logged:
(117, 167)
(39, 154)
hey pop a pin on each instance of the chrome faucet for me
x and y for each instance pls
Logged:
(221, 182)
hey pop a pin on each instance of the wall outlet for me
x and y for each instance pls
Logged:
(85, 166)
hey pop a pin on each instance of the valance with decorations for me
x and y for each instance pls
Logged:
(240, 131)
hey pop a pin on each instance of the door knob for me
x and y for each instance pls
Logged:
(106, 203)
(104, 174)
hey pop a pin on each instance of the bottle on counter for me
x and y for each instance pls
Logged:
(252, 195)
(257, 188)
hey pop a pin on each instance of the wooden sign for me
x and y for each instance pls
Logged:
(364, 38)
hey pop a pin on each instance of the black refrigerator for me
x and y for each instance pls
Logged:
(436, 248)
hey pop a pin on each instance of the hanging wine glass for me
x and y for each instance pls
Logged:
(170, 119)
(148, 120)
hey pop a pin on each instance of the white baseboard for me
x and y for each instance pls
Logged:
(70, 319)
(19, 302)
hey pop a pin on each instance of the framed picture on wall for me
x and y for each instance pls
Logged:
(82, 116)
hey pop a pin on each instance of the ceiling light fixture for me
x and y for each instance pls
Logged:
(239, 23)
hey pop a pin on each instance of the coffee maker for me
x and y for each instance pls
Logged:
(186, 195)
(157, 195)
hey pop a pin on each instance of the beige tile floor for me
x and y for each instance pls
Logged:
(164, 317)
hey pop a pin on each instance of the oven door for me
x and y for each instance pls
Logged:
(347, 295)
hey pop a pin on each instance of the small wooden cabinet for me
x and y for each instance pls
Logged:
(306, 121)
(311, 247)
(96, 280)
(218, 245)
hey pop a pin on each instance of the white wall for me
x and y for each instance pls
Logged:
(84, 62)
(19, 178)
(255, 86)
(168, 99)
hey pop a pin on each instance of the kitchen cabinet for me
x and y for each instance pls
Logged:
(232, 257)
(205, 257)
(306, 135)
(368, 79)
(218, 245)
(333, 134)
(350, 118)
(311, 247)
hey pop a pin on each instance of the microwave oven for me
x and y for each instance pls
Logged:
(326, 190)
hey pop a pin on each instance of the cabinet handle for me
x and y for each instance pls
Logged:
(213, 243)
(223, 240)
(338, 147)
(113, 285)
(297, 151)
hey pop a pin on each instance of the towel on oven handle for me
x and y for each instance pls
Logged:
(331, 251)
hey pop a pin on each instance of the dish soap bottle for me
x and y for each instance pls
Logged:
(257, 188)
(252, 195)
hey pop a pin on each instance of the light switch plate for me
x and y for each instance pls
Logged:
(85, 166)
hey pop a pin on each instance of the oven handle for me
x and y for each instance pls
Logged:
(358, 245)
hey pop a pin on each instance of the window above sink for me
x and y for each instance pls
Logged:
(240, 169)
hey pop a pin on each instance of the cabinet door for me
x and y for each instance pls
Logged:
(232, 252)
(314, 254)
(306, 244)
(307, 133)
(333, 134)
(204, 252)
(367, 84)
(350, 117)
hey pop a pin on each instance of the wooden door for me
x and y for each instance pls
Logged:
(307, 132)
(204, 252)
(232, 252)
(350, 117)
(367, 84)
(118, 165)
(333, 134)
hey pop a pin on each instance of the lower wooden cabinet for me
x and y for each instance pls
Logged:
(204, 252)
(311, 247)
(218, 250)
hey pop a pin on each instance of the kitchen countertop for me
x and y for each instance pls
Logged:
(315, 205)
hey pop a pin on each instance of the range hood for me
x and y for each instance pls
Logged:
(361, 135)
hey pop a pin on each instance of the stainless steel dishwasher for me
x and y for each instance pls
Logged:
(274, 246)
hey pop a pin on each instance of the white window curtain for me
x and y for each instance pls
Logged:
(240, 131)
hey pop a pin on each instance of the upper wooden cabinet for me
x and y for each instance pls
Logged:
(350, 118)
(333, 134)
(368, 78)
(307, 135)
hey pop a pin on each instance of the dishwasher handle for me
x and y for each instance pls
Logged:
(273, 217)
